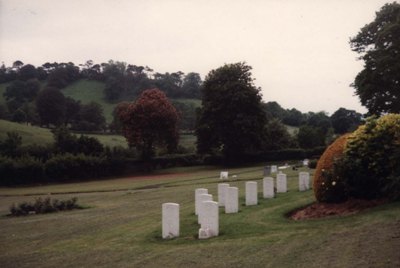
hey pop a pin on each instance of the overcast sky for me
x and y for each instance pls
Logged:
(299, 49)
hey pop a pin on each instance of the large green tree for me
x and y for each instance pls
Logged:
(344, 120)
(150, 121)
(378, 43)
(231, 119)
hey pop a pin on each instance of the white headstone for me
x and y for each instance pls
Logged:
(232, 200)
(222, 192)
(281, 183)
(274, 169)
(223, 175)
(170, 220)
(210, 223)
(251, 193)
(198, 192)
(306, 162)
(304, 181)
(268, 187)
(202, 198)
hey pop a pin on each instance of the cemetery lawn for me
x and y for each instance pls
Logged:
(121, 227)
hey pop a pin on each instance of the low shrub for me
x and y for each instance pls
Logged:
(68, 166)
(23, 170)
(372, 157)
(43, 205)
(327, 184)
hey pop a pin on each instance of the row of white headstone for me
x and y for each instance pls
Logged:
(228, 197)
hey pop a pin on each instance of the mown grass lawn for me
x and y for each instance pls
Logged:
(122, 227)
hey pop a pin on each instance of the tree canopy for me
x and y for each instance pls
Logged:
(150, 121)
(378, 43)
(231, 120)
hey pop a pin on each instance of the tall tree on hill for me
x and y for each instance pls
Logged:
(50, 105)
(344, 120)
(191, 85)
(378, 43)
(150, 121)
(231, 119)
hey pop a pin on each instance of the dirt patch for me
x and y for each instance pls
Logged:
(320, 210)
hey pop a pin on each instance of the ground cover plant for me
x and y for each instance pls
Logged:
(122, 228)
(43, 205)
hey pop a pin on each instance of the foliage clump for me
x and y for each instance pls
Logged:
(327, 185)
(372, 158)
(363, 164)
(150, 121)
(43, 205)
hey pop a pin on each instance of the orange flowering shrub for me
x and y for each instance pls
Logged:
(327, 185)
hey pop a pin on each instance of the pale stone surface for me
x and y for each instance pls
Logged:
(251, 193)
(304, 181)
(210, 223)
(202, 198)
(306, 162)
(281, 183)
(224, 175)
(268, 187)
(232, 200)
(198, 192)
(222, 192)
(274, 169)
(170, 220)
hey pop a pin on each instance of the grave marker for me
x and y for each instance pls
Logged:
(268, 187)
(224, 175)
(202, 199)
(222, 192)
(210, 223)
(170, 220)
(251, 193)
(281, 183)
(232, 200)
(274, 169)
(198, 192)
(304, 181)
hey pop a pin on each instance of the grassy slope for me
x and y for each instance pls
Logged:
(122, 228)
(87, 91)
(36, 135)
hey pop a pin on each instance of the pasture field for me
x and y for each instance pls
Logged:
(121, 227)
(43, 136)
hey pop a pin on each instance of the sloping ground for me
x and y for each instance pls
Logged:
(87, 91)
(30, 134)
(42, 136)
(123, 228)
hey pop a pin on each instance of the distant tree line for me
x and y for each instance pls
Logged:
(34, 94)
(315, 129)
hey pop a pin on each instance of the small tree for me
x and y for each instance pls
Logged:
(150, 121)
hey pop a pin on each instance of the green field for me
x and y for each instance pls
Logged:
(121, 227)
(87, 91)
(43, 136)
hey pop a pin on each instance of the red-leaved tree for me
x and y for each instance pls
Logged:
(150, 121)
